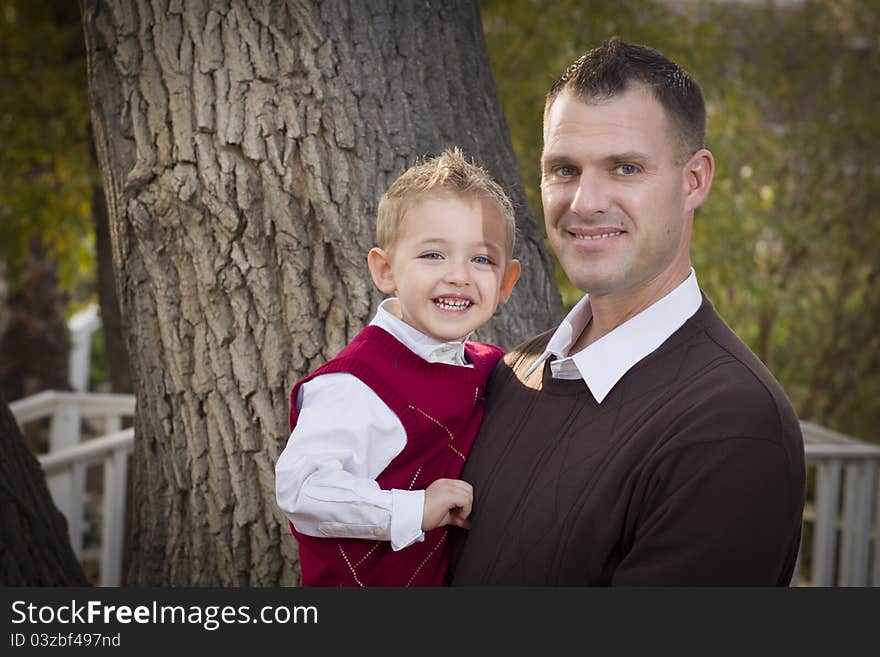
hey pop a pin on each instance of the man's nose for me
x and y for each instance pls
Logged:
(590, 197)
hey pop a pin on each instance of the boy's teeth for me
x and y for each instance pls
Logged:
(452, 304)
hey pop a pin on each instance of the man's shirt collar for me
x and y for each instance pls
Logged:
(602, 364)
(431, 349)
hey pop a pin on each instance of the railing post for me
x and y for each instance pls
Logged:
(875, 578)
(112, 424)
(855, 548)
(113, 523)
(825, 526)
(67, 488)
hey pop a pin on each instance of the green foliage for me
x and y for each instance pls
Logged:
(46, 172)
(786, 244)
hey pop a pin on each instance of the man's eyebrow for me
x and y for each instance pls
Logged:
(554, 159)
(627, 156)
(551, 160)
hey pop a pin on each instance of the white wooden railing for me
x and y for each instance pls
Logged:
(840, 545)
(842, 515)
(71, 453)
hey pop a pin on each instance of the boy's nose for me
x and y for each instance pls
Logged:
(457, 274)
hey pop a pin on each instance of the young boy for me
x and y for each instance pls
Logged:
(380, 433)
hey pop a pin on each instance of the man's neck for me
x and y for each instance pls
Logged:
(611, 310)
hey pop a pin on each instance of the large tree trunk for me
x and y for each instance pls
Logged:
(244, 146)
(34, 543)
(118, 370)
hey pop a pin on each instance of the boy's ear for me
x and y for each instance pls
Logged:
(379, 262)
(511, 275)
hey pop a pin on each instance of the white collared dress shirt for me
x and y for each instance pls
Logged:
(345, 436)
(604, 362)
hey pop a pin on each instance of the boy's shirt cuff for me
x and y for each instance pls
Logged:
(407, 509)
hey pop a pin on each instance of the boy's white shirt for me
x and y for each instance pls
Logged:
(345, 436)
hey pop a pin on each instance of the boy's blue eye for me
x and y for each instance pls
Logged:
(482, 260)
(431, 255)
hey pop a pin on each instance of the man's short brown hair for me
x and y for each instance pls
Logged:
(447, 173)
(616, 66)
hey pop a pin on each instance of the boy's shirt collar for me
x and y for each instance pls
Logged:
(424, 346)
(602, 364)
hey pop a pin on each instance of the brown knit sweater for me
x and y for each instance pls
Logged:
(690, 472)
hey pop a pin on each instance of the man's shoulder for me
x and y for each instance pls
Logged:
(726, 354)
(724, 382)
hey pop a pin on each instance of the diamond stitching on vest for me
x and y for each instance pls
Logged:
(437, 422)
(350, 567)
(425, 560)
(415, 476)
(442, 426)
(363, 558)
(459, 454)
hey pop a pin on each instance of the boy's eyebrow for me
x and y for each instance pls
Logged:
(425, 241)
(438, 240)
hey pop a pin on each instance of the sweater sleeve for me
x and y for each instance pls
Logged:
(718, 512)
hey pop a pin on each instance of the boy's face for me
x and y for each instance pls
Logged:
(448, 266)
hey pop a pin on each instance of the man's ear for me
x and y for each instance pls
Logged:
(698, 172)
(379, 262)
(511, 275)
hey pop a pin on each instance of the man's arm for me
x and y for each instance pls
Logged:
(719, 512)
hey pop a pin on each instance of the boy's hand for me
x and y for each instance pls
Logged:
(447, 502)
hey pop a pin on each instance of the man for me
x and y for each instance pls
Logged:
(640, 442)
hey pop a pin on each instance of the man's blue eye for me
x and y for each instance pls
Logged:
(566, 171)
(627, 169)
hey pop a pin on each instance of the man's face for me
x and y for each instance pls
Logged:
(616, 205)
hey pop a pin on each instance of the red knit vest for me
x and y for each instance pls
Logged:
(440, 407)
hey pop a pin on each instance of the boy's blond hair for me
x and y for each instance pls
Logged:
(449, 173)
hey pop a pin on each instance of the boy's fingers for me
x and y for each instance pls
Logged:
(459, 520)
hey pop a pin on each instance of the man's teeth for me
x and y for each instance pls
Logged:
(452, 304)
(598, 237)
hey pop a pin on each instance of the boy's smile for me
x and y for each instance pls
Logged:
(448, 266)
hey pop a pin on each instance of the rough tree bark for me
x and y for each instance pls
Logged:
(244, 145)
(34, 543)
(118, 370)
